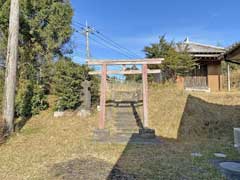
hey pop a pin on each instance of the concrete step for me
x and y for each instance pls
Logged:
(131, 120)
(124, 112)
(124, 108)
(124, 115)
(123, 123)
(127, 133)
(125, 118)
(127, 127)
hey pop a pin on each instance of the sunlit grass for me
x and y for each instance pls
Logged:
(53, 148)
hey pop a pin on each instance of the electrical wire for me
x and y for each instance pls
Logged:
(110, 43)
(117, 44)
(110, 47)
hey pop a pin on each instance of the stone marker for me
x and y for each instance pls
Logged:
(232, 166)
(195, 154)
(231, 169)
(85, 108)
(58, 114)
(237, 138)
(220, 155)
(84, 113)
(86, 98)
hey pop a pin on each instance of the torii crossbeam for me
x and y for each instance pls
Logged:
(104, 72)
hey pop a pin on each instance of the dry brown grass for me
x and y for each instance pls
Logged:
(235, 80)
(166, 106)
(49, 148)
(175, 113)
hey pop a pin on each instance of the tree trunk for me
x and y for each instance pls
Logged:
(11, 68)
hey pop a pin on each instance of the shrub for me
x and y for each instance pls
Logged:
(1, 87)
(39, 100)
(30, 98)
(67, 83)
(23, 99)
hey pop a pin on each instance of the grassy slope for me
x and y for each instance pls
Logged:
(49, 148)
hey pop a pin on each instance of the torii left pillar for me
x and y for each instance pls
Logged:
(103, 97)
(102, 133)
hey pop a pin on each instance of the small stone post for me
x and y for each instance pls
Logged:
(86, 99)
(86, 95)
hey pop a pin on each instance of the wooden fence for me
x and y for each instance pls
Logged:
(195, 82)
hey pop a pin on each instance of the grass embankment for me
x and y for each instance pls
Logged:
(48, 148)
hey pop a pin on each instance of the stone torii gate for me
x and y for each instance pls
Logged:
(104, 72)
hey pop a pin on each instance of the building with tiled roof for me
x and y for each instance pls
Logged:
(207, 74)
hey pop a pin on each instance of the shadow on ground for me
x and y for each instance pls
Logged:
(202, 119)
(20, 124)
(84, 168)
(170, 159)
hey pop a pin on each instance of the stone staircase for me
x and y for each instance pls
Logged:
(125, 122)
(124, 114)
(125, 118)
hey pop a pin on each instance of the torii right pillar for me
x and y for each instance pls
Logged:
(146, 133)
(145, 95)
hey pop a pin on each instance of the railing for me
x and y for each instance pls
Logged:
(195, 82)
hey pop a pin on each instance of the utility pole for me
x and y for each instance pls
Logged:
(86, 31)
(11, 68)
(229, 77)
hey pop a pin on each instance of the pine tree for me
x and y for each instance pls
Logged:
(175, 63)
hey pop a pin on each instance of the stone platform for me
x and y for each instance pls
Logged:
(127, 139)
(230, 169)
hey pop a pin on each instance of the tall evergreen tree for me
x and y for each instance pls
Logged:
(45, 27)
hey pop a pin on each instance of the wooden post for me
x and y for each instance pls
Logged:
(11, 67)
(103, 97)
(145, 95)
(228, 77)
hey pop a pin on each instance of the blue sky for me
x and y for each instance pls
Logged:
(137, 23)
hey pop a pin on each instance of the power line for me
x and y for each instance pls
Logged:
(116, 44)
(106, 38)
(110, 47)
(80, 24)
(105, 41)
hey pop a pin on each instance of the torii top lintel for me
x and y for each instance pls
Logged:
(125, 62)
